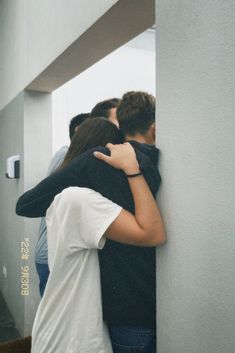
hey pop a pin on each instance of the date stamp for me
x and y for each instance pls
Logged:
(24, 274)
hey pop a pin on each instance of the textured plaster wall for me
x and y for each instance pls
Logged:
(11, 227)
(25, 130)
(196, 127)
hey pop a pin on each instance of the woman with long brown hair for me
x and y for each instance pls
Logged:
(92, 133)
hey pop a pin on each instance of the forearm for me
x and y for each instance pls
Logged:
(147, 213)
(145, 227)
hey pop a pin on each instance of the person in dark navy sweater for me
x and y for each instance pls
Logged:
(128, 273)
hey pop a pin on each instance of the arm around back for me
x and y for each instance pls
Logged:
(36, 201)
(125, 229)
(145, 227)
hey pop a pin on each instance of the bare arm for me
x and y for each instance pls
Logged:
(145, 228)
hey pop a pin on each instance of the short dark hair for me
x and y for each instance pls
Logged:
(136, 112)
(76, 121)
(102, 109)
(92, 133)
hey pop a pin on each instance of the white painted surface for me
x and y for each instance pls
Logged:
(195, 90)
(129, 68)
(11, 226)
(34, 33)
(25, 130)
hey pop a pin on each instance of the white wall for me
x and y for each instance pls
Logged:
(128, 68)
(25, 130)
(11, 226)
(195, 90)
(34, 33)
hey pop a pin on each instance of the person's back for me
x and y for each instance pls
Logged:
(128, 273)
(69, 317)
(41, 250)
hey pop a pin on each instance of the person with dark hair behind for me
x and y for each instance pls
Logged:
(106, 109)
(75, 122)
(136, 117)
(93, 132)
(41, 258)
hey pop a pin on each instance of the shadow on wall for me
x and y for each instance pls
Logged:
(7, 325)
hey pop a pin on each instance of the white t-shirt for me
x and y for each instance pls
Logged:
(69, 317)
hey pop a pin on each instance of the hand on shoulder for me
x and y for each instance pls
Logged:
(122, 157)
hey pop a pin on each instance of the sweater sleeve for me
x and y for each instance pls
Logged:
(36, 201)
(86, 171)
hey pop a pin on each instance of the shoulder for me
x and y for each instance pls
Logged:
(60, 153)
(57, 159)
(144, 150)
(72, 194)
(88, 162)
(78, 195)
(79, 200)
(68, 199)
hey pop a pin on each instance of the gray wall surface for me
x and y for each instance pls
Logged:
(34, 33)
(11, 226)
(37, 156)
(196, 129)
(25, 130)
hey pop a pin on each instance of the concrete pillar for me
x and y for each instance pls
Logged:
(195, 92)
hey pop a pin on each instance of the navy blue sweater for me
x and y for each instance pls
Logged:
(128, 273)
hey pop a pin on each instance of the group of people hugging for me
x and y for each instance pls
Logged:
(96, 251)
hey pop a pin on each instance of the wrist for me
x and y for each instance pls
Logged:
(131, 170)
(134, 175)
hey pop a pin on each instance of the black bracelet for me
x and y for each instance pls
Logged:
(133, 175)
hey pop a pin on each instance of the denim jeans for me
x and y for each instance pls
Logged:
(132, 339)
(43, 273)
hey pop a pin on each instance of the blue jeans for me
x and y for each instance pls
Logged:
(132, 339)
(43, 273)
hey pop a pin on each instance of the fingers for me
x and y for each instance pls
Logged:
(110, 146)
(102, 156)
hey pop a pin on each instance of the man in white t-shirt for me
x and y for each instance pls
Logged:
(69, 318)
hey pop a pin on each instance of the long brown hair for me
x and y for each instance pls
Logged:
(92, 133)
